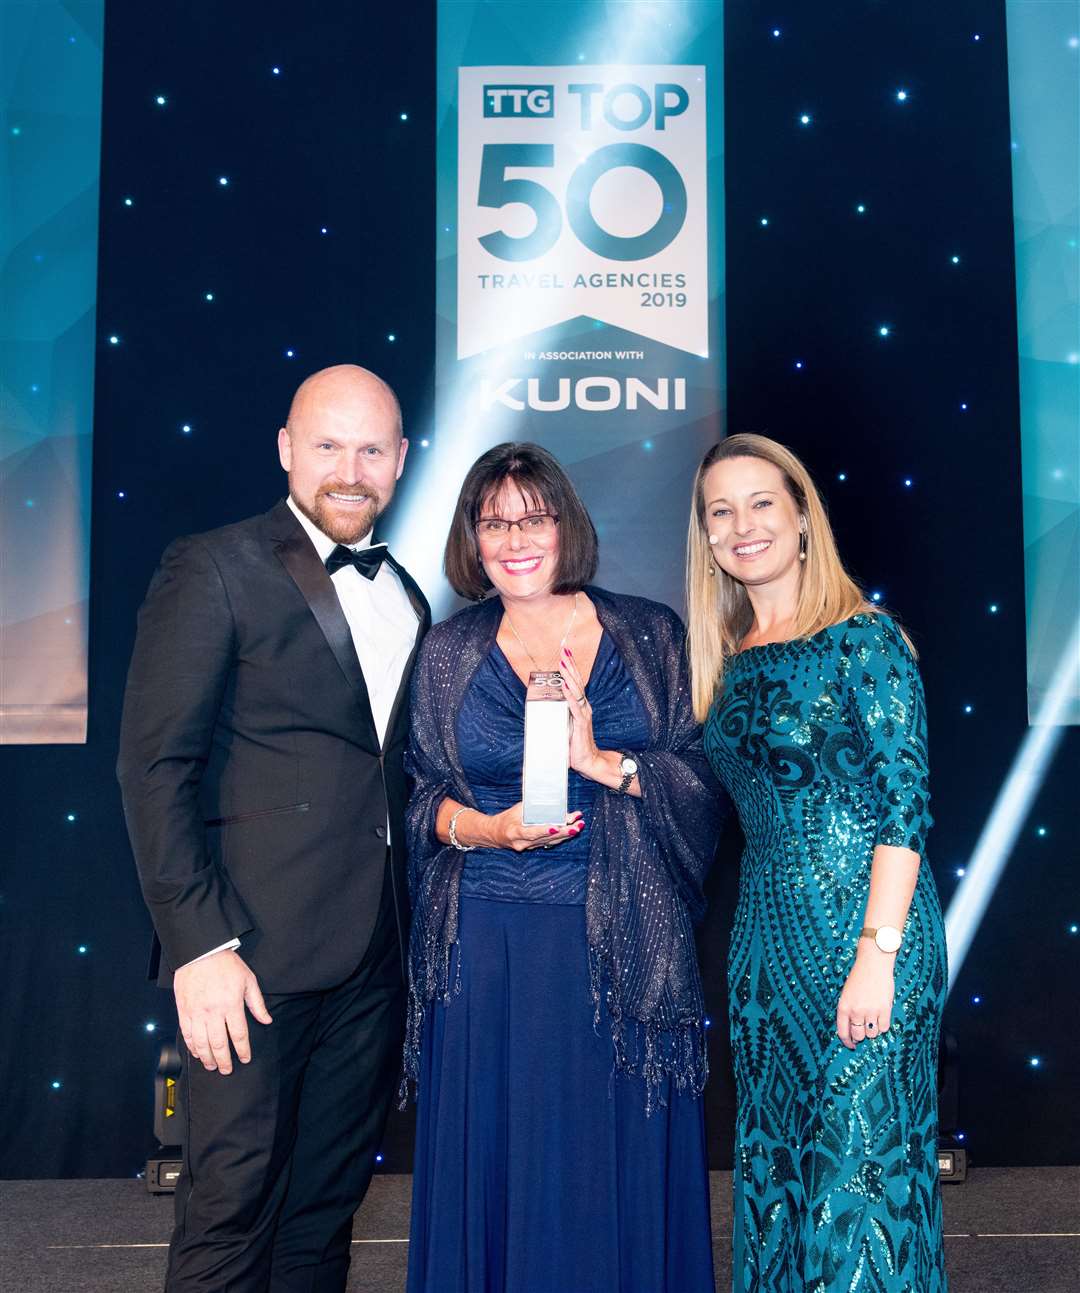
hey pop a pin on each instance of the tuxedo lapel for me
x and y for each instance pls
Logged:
(296, 553)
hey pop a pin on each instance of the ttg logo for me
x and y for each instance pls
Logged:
(519, 100)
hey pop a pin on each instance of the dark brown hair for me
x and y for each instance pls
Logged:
(546, 486)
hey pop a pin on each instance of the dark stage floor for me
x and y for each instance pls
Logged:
(1013, 1230)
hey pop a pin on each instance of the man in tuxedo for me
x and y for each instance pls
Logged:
(261, 750)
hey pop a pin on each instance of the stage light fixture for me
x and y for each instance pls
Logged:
(952, 1163)
(163, 1168)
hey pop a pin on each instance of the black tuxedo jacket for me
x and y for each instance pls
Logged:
(255, 789)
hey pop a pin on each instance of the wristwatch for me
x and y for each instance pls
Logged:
(629, 769)
(887, 938)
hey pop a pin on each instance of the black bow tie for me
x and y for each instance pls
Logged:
(366, 560)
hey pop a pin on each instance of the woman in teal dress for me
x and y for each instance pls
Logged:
(815, 723)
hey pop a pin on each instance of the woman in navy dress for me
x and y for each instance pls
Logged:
(816, 724)
(556, 1031)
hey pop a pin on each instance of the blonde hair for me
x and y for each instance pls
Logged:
(719, 610)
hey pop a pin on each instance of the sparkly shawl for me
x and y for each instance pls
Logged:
(647, 857)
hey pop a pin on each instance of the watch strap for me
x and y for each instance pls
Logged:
(627, 777)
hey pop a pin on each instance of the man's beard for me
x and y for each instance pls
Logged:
(342, 529)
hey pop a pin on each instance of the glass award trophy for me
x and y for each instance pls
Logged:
(547, 751)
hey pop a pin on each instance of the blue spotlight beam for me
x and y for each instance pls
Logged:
(1010, 810)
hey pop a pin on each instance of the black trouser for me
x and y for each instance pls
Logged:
(279, 1154)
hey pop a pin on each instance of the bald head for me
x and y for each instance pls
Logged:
(341, 392)
(343, 449)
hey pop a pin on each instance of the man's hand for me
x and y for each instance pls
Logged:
(210, 997)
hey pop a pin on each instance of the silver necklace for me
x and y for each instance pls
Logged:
(569, 626)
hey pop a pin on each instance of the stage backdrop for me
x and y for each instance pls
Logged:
(50, 109)
(579, 264)
(283, 218)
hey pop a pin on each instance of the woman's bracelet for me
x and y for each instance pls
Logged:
(452, 832)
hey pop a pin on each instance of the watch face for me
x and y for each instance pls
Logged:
(888, 939)
(629, 767)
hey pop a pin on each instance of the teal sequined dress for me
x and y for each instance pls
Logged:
(821, 743)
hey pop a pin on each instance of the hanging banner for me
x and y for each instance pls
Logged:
(1044, 104)
(51, 109)
(581, 197)
(580, 263)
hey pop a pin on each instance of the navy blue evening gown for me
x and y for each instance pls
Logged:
(537, 1169)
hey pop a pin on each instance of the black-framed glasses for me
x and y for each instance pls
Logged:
(534, 525)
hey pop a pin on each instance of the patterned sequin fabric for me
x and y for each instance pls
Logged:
(821, 743)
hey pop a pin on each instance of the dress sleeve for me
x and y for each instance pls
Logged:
(889, 711)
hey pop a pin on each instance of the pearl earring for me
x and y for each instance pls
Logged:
(802, 545)
(714, 538)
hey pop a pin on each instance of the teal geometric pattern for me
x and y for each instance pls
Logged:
(1044, 102)
(50, 147)
(821, 744)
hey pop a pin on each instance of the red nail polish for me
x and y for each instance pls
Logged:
(552, 830)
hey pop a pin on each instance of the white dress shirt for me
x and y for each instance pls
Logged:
(383, 624)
